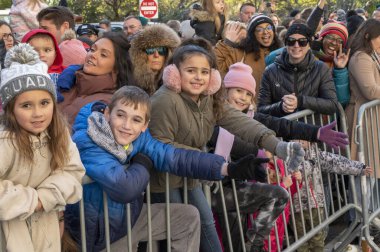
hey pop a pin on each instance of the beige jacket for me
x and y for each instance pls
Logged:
(364, 87)
(23, 183)
(227, 56)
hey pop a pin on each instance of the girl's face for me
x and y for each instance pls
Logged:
(272, 176)
(101, 58)
(264, 34)
(375, 44)
(239, 98)
(6, 36)
(195, 75)
(33, 110)
(218, 5)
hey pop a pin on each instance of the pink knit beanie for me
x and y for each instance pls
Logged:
(240, 76)
(73, 52)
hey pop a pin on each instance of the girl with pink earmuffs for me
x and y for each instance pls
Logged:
(184, 112)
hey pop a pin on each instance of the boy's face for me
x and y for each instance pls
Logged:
(239, 98)
(49, 26)
(45, 48)
(126, 121)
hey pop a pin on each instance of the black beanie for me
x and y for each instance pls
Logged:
(302, 29)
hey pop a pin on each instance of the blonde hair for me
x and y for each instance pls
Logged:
(208, 5)
(58, 136)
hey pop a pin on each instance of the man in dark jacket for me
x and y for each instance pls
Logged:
(297, 81)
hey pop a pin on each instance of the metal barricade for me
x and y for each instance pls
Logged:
(324, 216)
(367, 138)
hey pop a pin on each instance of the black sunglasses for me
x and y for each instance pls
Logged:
(292, 41)
(163, 51)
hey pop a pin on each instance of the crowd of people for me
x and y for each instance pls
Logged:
(202, 100)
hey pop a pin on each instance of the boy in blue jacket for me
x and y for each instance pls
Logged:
(117, 151)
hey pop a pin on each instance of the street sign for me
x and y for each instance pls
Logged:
(149, 8)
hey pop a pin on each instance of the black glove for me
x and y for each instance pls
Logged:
(248, 167)
(144, 160)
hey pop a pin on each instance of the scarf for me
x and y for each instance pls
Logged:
(91, 84)
(324, 57)
(376, 58)
(100, 132)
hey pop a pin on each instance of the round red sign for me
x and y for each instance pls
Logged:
(148, 8)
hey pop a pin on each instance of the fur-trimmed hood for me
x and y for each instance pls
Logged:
(151, 36)
(201, 15)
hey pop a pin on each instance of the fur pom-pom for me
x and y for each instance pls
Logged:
(172, 78)
(215, 82)
(23, 54)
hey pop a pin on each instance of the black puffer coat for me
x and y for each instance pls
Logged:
(311, 81)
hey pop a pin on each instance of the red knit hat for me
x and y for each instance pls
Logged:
(240, 76)
(337, 28)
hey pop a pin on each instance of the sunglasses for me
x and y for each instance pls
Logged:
(301, 41)
(331, 38)
(163, 51)
(262, 29)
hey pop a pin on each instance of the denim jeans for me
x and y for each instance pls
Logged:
(196, 197)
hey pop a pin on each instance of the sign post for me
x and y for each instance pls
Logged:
(148, 8)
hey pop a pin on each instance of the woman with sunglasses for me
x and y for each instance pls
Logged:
(150, 51)
(297, 81)
(107, 67)
(332, 41)
(261, 39)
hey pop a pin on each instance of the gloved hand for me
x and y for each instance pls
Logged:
(144, 160)
(292, 153)
(248, 167)
(331, 137)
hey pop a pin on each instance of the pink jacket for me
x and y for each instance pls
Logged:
(280, 220)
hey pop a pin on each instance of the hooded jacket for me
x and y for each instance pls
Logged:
(153, 36)
(204, 24)
(57, 66)
(107, 162)
(311, 81)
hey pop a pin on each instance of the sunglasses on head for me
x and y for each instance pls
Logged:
(163, 51)
(301, 41)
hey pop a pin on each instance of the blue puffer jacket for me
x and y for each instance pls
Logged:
(126, 185)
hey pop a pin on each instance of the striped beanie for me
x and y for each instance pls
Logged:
(335, 28)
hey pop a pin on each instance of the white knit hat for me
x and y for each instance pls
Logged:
(23, 71)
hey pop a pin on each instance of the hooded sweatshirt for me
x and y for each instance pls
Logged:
(56, 68)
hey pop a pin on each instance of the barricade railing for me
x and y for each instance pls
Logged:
(367, 138)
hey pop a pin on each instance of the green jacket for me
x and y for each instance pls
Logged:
(178, 120)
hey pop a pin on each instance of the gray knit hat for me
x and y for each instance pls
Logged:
(23, 71)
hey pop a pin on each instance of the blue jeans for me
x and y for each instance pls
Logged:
(196, 197)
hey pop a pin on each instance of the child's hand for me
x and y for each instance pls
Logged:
(368, 171)
(298, 176)
(287, 180)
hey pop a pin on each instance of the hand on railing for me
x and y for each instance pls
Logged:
(331, 137)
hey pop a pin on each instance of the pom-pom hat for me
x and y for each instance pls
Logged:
(23, 71)
(239, 75)
(335, 28)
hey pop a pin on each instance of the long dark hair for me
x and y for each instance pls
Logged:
(123, 64)
(251, 45)
(361, 40)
